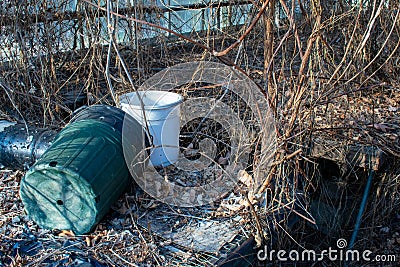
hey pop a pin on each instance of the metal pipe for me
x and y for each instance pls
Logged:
(19, 148)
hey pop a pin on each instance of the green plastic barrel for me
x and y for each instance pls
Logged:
(75, 182)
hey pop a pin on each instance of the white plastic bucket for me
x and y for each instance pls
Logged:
(162, 111)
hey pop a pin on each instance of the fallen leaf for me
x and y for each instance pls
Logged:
(223, 161)
(245, 178)
(66, 233)
(88, 241)
(258, 240)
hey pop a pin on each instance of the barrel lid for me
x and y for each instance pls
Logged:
(58, 198)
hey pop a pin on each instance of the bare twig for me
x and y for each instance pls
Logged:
(246, 32)
(7, 90)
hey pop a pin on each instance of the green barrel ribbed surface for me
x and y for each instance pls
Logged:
(78, 178)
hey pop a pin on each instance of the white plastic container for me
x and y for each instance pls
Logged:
(162, 111)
